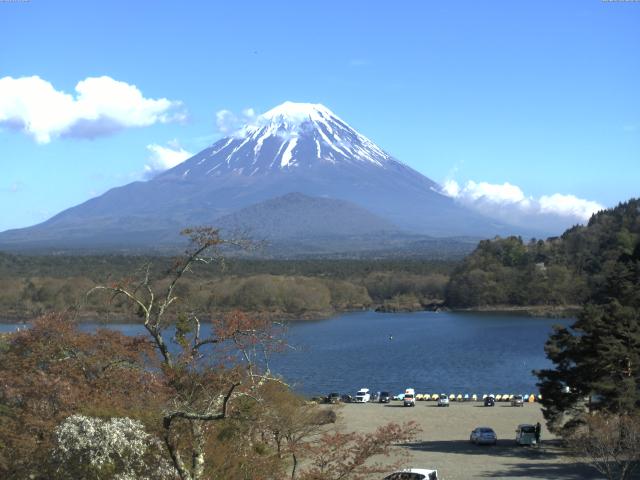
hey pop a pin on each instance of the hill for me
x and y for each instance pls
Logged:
(563, 270)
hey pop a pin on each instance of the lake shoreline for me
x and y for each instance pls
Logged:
(564, 311)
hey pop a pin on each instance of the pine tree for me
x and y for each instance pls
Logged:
(598, 357)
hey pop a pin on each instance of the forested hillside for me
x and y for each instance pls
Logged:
(558, 271)
(504, 272)
(32, 285)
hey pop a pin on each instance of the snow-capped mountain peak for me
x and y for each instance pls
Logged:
(295, 112)
(291, 136)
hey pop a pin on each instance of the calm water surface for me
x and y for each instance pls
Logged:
(447, 352)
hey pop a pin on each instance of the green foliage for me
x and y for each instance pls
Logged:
(556, 271)
(599, 356)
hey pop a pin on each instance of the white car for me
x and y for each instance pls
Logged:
(363, 395)
(413, 474)
(443, 401)
(409, 397)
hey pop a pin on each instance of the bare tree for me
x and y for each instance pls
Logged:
(341, 456)
(205, 371)
(610, 443)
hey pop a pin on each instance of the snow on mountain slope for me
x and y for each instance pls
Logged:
(290, 136)
(294, 147)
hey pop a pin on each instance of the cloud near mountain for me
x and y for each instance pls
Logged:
(162, 158)
(101, 106)
(509, 202)
(228, 122)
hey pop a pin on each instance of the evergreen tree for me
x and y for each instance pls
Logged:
(598, 357)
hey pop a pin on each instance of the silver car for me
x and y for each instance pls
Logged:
(483, 436)
(517, 401)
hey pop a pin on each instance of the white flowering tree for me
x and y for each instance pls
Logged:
(115, 448)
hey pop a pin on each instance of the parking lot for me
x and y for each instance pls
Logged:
(444, 441)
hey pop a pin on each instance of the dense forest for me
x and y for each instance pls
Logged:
(559, 271)
(32, 285)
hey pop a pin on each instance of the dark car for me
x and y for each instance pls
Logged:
(346, 398)
(385, 397)
(489, 401)
(333, 398)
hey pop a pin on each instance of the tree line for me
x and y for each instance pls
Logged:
(34, 285)
(565, 270)
(591, 396)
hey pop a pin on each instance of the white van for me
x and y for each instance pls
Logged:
(409, 397)
(363, 395)
(526, 434)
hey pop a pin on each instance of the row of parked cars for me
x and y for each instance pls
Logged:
(363, 396)
(409, 398)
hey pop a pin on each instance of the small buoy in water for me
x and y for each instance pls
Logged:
(390, 337)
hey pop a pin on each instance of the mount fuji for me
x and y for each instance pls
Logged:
(296, 148)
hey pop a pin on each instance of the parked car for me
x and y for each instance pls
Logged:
(483, 436)
(489, 401)
(409, 397)
(363, 395)
(526, 434)
(385, 397)
(346, 398)
(413, 474)
(333, 398)
(517, 401)
(375, 396)
(443, 401)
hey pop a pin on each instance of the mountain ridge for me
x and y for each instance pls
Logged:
(292, 148)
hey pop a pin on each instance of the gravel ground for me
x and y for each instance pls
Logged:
(444, 442)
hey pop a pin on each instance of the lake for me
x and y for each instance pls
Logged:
(445, 352)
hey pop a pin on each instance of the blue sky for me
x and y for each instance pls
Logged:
(541, 95)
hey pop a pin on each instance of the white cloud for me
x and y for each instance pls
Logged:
(508, 202)
(568, 206)
(229, 123)
(488, 192)
(162, 158)
(100, 106)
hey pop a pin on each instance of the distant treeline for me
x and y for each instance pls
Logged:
(558, 271)
(31, 285)
(504, 272)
